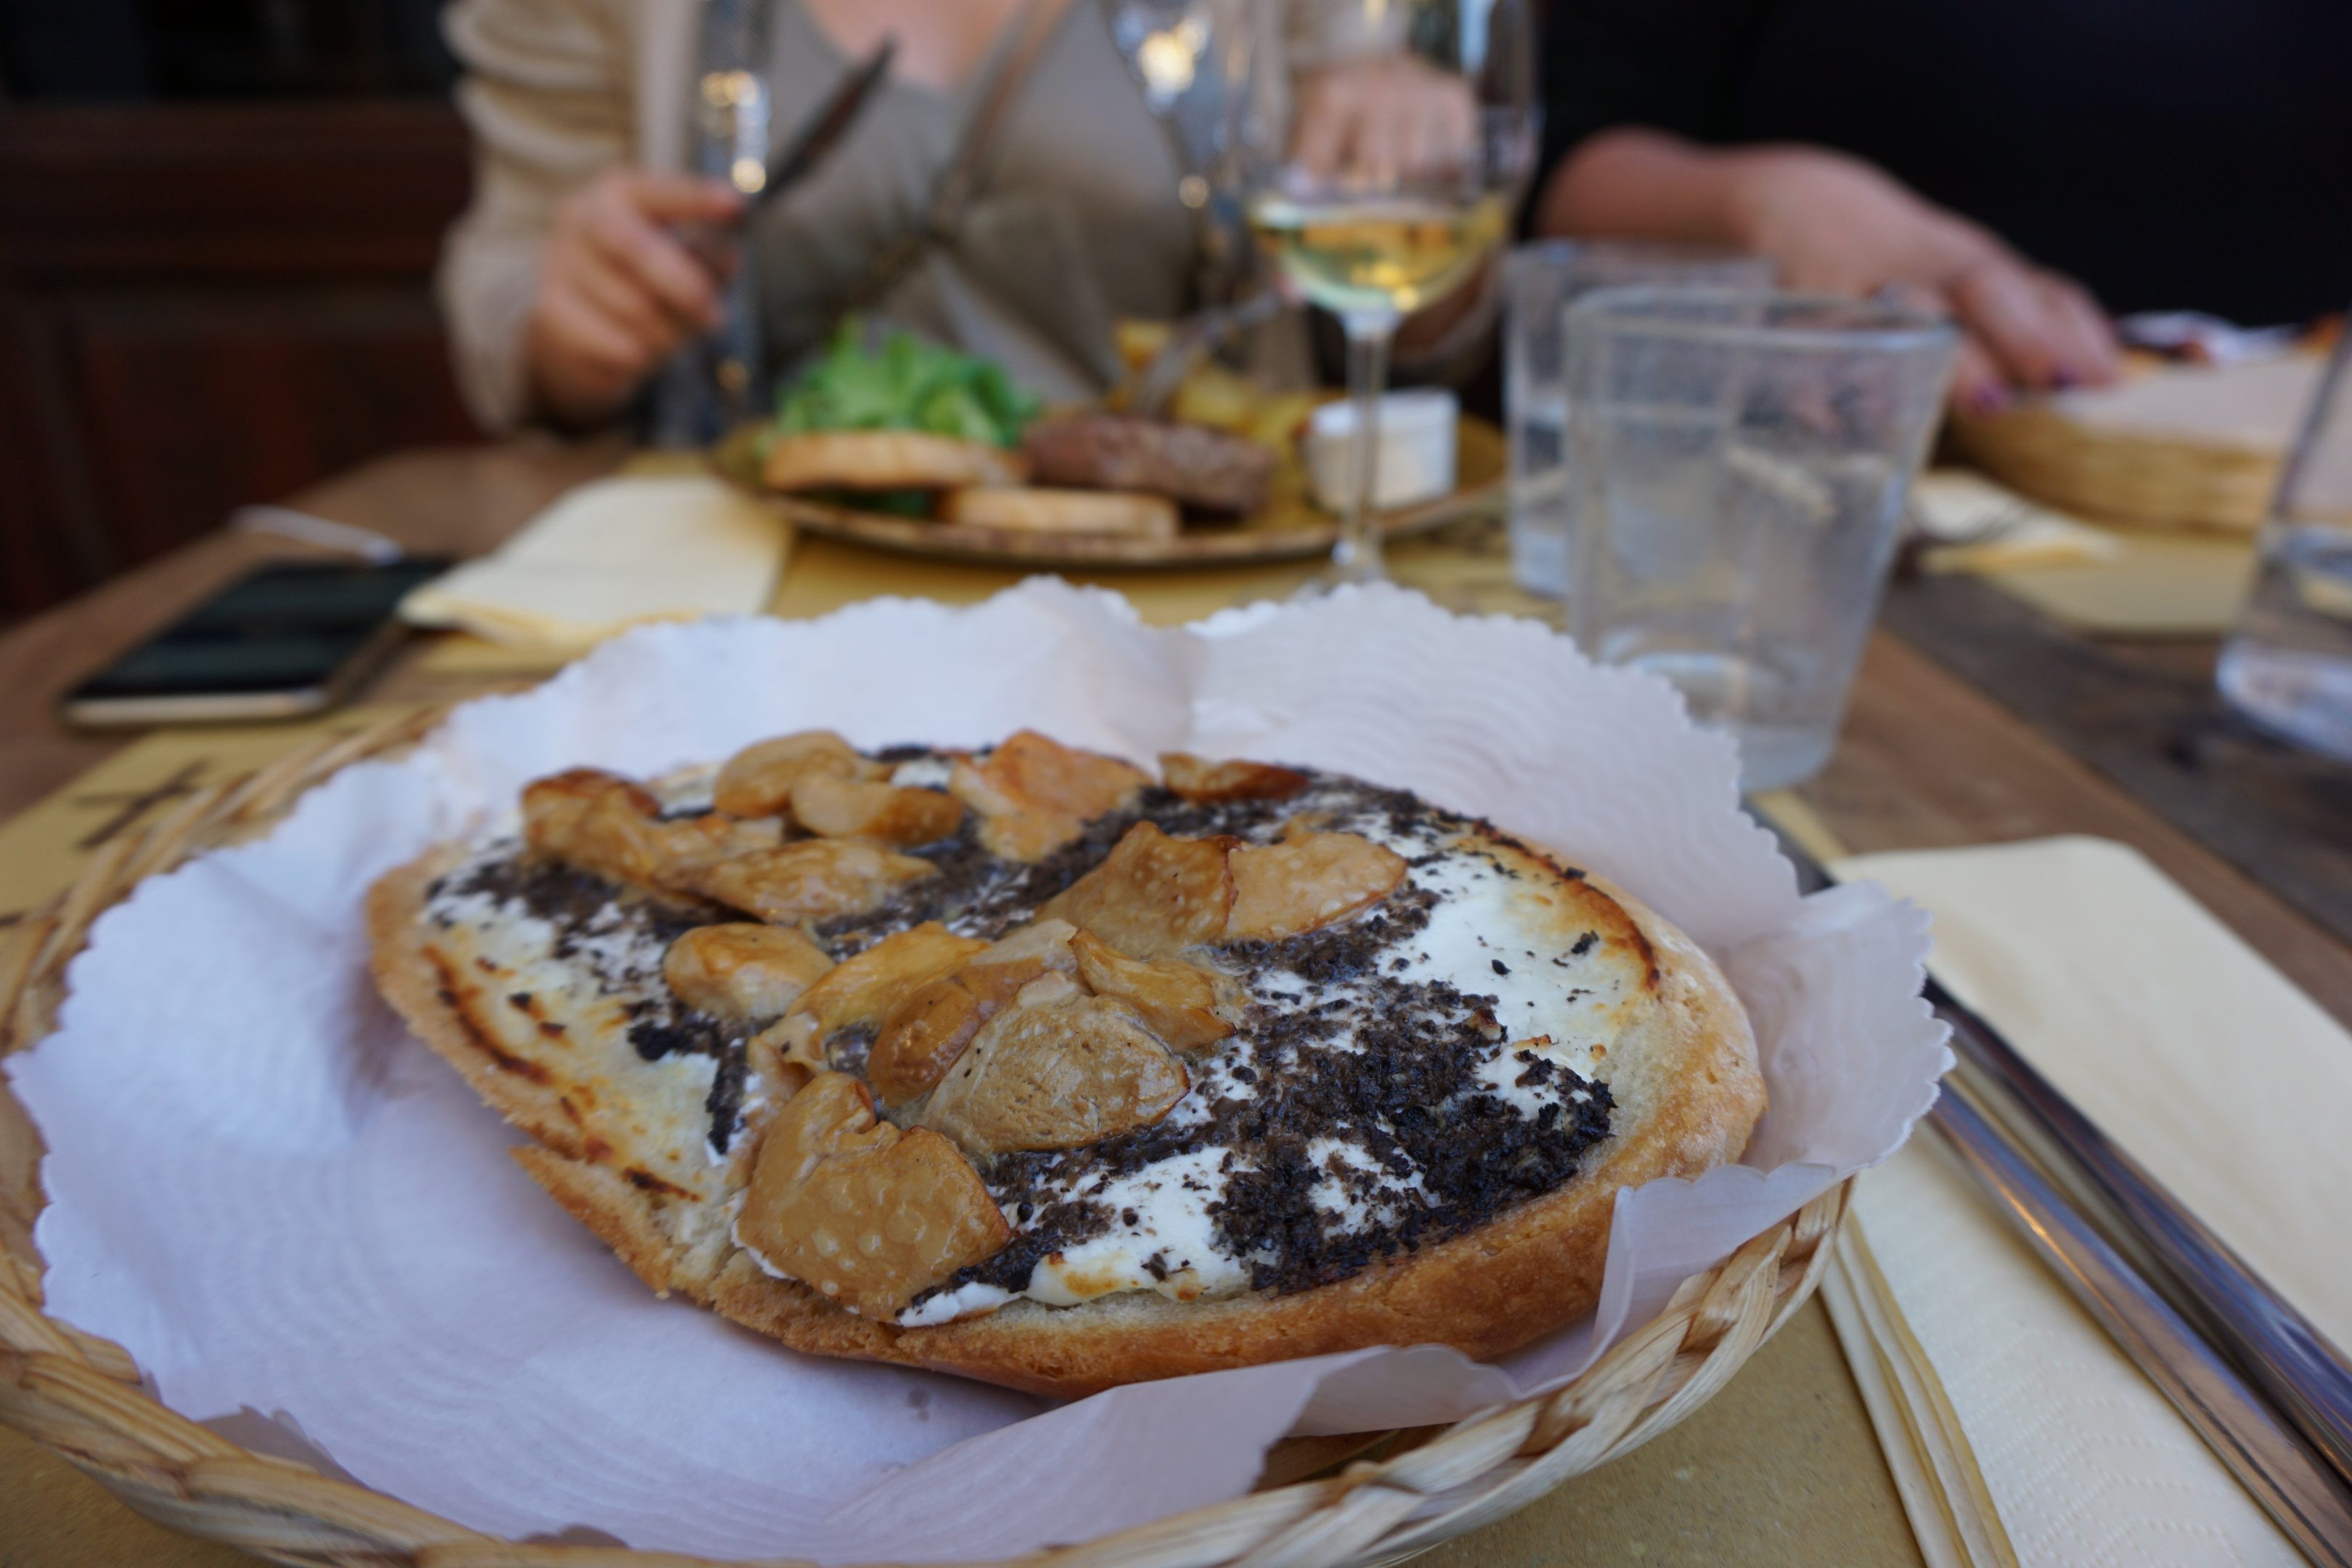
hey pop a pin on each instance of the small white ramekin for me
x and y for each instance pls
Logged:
(1415, 462)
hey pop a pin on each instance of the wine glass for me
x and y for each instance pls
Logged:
(1380, 148)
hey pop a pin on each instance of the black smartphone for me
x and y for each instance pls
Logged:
(289, 639)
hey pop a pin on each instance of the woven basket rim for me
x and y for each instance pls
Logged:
(2134, 477)
(83, 1398)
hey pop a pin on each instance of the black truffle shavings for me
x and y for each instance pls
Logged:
(1408, 1095)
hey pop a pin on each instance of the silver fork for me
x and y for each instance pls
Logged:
(1148, 390)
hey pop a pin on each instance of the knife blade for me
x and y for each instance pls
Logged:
(798, 155)
(2301, 1493)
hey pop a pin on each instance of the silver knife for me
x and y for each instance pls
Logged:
(797, 155)
(2266, 1390)
(2303, 1496)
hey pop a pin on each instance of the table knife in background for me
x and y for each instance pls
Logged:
(798, 155)
(708, 386)
(2267, 1392)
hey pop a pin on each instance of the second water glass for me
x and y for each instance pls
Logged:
(1742, 459)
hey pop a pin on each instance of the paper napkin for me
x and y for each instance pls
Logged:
(612, 555)
(1976, 524)
(2229, 1084)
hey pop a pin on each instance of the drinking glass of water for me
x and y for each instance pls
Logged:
(1541, 279)
(1739, 459)
(2288, 667)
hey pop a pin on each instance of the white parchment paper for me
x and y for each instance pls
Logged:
(291, 1212)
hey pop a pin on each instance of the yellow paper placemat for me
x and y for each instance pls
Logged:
(43, 849)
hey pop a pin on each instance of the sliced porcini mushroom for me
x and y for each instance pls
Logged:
(1308, 880)
(770, 1058)
(1045, 940)
(1057, 1070)
(864, 1213)
(742, 972)
(869, 808)
(1034, 795)
(592, 818)
(790, 1048)
(758, 781)
(1189, 1007)
(611, 825)
(813, 879)
(922, 1038)
(862, 989)
(1196, 779)
(930, 1026)
(1152, 895)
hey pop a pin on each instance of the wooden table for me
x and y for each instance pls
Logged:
(1927, 759)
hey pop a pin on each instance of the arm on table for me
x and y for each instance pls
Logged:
(1839, 225)
(1640, 105)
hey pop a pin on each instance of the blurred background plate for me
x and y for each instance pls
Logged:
(1290, 528)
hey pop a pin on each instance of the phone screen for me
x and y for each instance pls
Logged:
(287, 628)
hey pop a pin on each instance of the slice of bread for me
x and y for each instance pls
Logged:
(884, 460)
(1031, 509)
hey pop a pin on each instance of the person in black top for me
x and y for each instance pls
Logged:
(2156, 155)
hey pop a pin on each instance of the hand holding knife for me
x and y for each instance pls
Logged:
(707, 385)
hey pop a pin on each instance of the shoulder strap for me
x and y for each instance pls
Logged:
(974, 155)
(961, 177)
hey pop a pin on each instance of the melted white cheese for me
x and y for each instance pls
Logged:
(964, 1301)
(923, 773)
(1480, 940)
(1169, 1200)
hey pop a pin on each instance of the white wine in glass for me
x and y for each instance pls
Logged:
(1379, 258)
(1382, 146)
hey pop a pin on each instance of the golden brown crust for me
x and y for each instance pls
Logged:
(885, 460)
(440, 1004)
(1034, 510)
(1683, 1072)
(617, 1213)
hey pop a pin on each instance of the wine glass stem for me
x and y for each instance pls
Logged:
(1357, 557)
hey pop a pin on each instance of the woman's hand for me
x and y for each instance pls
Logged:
(1837, 225)
(618, 290)
(1373, 120)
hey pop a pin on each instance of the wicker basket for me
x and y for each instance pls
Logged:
(2141, 481)
(82, 1395)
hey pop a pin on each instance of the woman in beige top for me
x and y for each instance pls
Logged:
(565, 283)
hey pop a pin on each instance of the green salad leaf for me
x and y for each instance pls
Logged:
(905, 384)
